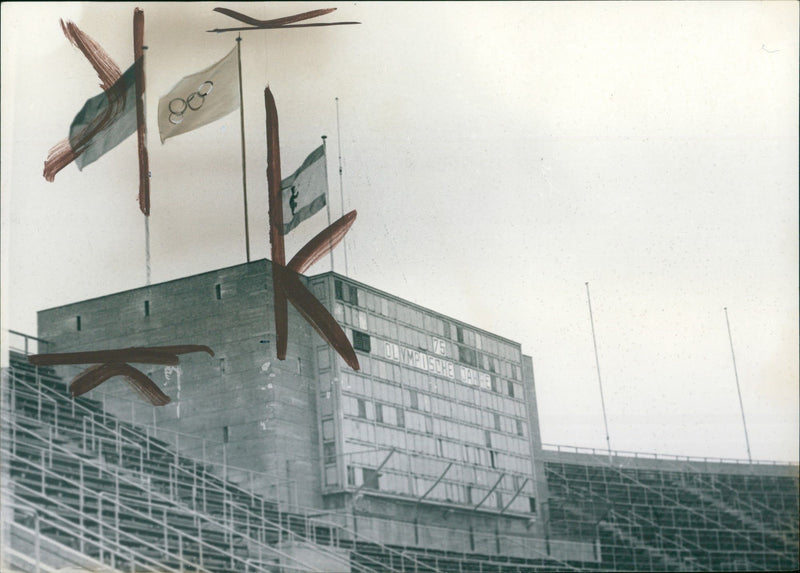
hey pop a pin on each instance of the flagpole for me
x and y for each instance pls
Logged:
(738, 391)
(599, 380)
(341, 191)
(244, 164)
(327, 199)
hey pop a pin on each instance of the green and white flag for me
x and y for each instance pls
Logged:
(105, 120)
(201, 98)
(304, 192)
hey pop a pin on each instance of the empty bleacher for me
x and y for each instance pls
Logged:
(690, 519)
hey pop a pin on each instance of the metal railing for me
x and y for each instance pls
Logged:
(253, 520)
(150, 495)
(602, 452)
(119, 433)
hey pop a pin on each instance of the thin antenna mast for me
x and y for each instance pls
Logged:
(341, 191)
(327, 195)
(738, 391)
(599, 380)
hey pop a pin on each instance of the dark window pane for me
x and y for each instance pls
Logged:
(371, 480)
(379, 413)
(353, 294)
(329, 452)
(337, 286)
(362, 408)
(361, 341)
(467, 356)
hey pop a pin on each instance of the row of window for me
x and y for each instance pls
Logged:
(445, 490)
(489, 449)
(365, 300)
(419, 466)
(361, 322)
(470, 424)
(396, 373)
(415, 400)
(457, 395)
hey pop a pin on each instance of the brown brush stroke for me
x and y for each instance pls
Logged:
(276, 21)
(59, 156)
(276, 224)
(62, 153)
(141, 129)
(180, 349)
(245, 28)
(146, 388)
(138, 355)
(316, 314)
(93, 376)
(322, 244)
(107, 70)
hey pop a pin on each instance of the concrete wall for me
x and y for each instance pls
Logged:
(538, 476)
(264, 407)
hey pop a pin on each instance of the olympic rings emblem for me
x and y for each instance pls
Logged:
(178, 106)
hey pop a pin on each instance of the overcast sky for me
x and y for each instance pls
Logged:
(500, 155)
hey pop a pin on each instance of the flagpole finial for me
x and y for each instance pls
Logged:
(324, 137)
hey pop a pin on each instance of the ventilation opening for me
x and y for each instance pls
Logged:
(218, 291)
(225, 434)
(147, 308)
(78, 322)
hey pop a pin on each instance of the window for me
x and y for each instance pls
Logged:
(459, 334)
(469, 495)
(222, 366)
(379, 413)
(510, 388)
(401, 418)
(495, 384)
(218, 291)
(488, 437)
(225, 434)
(520, 428)
(493, 459)
(532, 504)
(339, 291)
(371, 478)
(446, 329)
(361, 341)
(497, 422)
(353, 295)
(467, 356)
(147, 308)
(499, 499)
(362, 408)
(78, 323)
(414, 399)
(329, 452)
(351, 475)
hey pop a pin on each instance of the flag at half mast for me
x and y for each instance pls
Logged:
(304, 192)
(200, 98)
